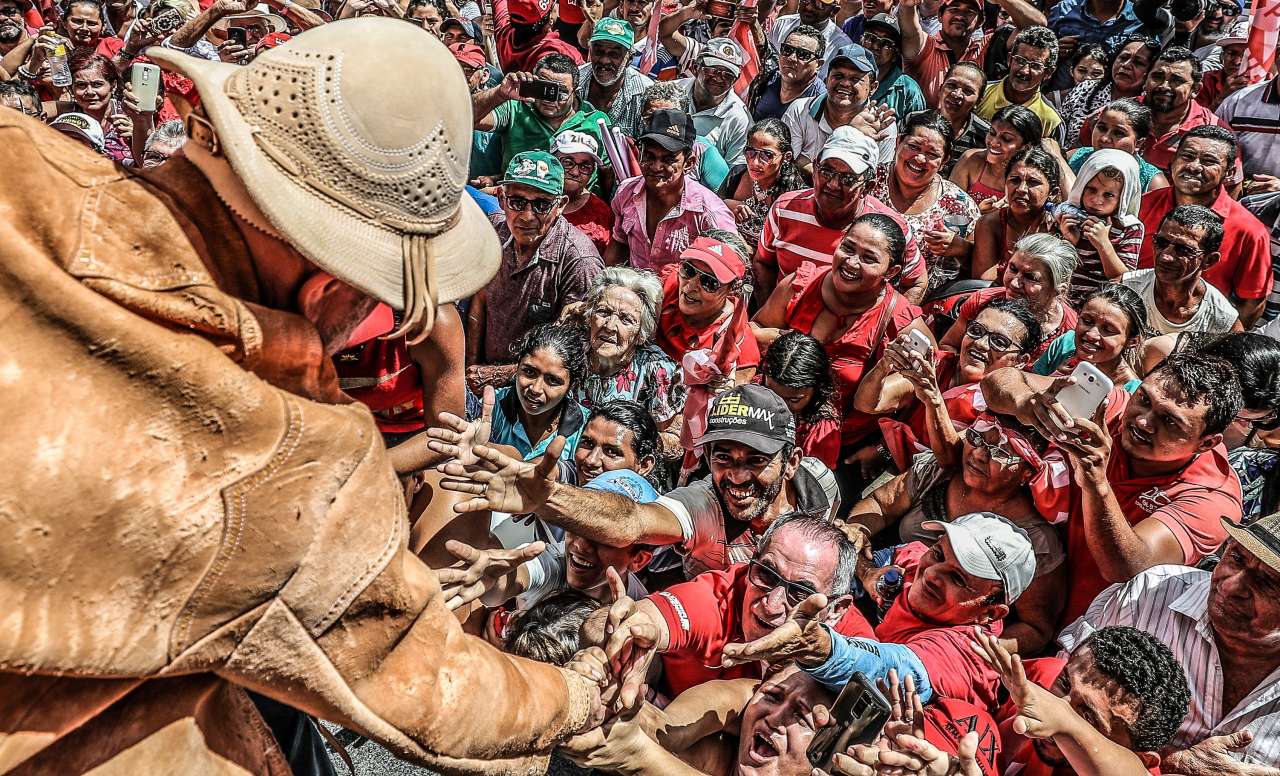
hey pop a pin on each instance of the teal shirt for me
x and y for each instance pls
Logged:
(1060, 352)
(508, 430)
(900, 92)
(712, 168)
(522, 129)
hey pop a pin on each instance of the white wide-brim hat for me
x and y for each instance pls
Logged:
(361, 169)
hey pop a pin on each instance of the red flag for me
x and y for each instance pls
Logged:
(650, 56)
(1263, 34)
(751, 67)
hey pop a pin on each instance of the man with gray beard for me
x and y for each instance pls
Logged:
(13, 30)
(606, 80)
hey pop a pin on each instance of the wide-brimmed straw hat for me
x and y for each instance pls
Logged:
(362, 172)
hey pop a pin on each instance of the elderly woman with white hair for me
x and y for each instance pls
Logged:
(621, 315)
(1039, 273)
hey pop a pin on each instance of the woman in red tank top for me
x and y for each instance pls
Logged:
(850, 307)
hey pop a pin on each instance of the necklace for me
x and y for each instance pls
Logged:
(895, 185)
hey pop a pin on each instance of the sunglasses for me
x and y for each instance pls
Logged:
(766, 579)
(710, 283)
(875, 41)
(995, 340)
(997, 453)
(539, 206)
(798, 54)
(763, 154)
(846, 180)
(1162, 243)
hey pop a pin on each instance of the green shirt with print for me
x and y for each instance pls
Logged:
(522, 129)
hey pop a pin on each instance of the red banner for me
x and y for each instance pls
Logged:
(1264, 30)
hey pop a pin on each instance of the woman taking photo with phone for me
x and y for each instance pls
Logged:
(1108, 334)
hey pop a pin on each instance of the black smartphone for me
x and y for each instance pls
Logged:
(857, 717)
(540, 90)
(238, 36)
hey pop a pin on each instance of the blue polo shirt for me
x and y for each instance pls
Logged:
(770, 103)
(1073, 17)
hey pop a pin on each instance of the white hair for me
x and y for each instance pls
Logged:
(1057, 255)
(643, 284)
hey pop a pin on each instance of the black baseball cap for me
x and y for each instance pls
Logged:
(752, 415)
(671, 129)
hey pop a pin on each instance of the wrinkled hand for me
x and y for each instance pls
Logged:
(1214, 757)
(917, 370)
(618, 744)
(499, 483)
(46, 41)
(458, 438)
(1043, 412)
(463, 584)
(906, 712)
(801, 638)
(237, 7)
(939, 240)
(1089, 447)
(143, 34)
(1041, 714)
(631, 641)
(1261, 184)
(233, 53)
(874, 120)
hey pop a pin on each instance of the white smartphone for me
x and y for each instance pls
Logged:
(1082, 398)
(918, 343)
(145, 79)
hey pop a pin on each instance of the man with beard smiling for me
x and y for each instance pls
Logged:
(607, 80)
(1033, 54)
(757, 475)
(13, 30)
(1203, 163)
(718, 112)
(851, 80)
(1151, 478)
(1172, 84)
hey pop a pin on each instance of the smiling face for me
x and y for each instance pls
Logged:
(847, 86)
(1114, 129)
(945, 594)
(1102, 332)
(1160, 427)
(1199, 167)
(608, 62)
(542, 381)
(838, 198)
(91, 89)
(1003, 141)
(663, 170)
(1130, 68)
(862, 263)
(778, 724)
(1028, 279)
(587, 562)
(960, 92)
(959, 19)
(919, 157)
(695, 301)
(715, 80)
(799, 61)
(746, 480)
(1180, 258)
(614, 325)
(1028, 67)
(1026, 189)
(984, 472)
(792, 556)
(84, 24)
(563, 104)
(996, 350)
(607, 446)
(1098, 699)
(1170, 86)
(578, 169)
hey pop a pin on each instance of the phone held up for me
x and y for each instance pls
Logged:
(238, 35)
(1082, 398)
(540, 90)
(145, 80)
(857, 717)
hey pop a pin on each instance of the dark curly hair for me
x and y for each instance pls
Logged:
(1147, 669)
(1018, 309)
(566, 340)
(634, 417)
(799, 361)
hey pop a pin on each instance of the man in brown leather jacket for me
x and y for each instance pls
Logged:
(191, 506)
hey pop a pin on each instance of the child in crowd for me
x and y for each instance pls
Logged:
(796, 367)
(1100, 217)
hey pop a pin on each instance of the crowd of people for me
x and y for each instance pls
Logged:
(776, 381)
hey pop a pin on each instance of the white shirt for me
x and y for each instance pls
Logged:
(809, 133)
(834, 36)
(1170, 603)
(1215, 314)
(724, 126)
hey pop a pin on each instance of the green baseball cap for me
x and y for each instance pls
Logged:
(613, 30)
(538, 169)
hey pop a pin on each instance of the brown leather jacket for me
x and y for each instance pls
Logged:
(182, 521)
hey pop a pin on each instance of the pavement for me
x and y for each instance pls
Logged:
(372, 759)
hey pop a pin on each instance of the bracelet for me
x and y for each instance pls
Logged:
(24, 73)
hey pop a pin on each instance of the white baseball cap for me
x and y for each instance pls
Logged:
(573, 142)
(851, 146)
(989, 546)
(1237, 33)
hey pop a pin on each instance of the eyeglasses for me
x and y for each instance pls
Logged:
(585, 167)
(1162, 243)
(520, 204)
(766, 579)
(710, 283)
(1030, 64)
(763, 154)
(870, 41)
(1229, 10)
(995, 340)
(997, 453)
(798, 54)
(846, 180)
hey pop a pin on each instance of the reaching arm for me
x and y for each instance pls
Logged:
(486, 101)
(913, 37)
(609, 518)
(669, 28)
(196, 28)
(883, 507)
(1023, 14)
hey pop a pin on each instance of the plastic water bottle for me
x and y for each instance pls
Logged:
(59, 68)
(887, 587)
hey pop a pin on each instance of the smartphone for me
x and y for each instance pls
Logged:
(918, 343)
(145, 80)
(1082, 398)
(238, 36)
(857, 717)
(540, 90)
(722, 8)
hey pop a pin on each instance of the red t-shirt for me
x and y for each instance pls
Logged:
(381, 374)
(512, 59)
(595, 220)
(1245, 267)
(1019, 757)
(947, 720)
(703, 615)
(729, 338)
(954, 669)
(973, 305)
(1189, 502)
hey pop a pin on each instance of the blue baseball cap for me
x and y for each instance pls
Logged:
(625, 482)
(855, 55)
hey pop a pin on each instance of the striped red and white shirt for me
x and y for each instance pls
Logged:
(792, 235)
(1171, 603)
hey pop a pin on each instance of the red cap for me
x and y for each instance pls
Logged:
(721, 257)
(272, 40)
(947, 720)
(528, 11)
(468, 54)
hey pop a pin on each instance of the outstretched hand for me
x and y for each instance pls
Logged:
(631, 641)
(463, 584)
(499, 483)
(802, 638)
(1041, 714)
(457, 437)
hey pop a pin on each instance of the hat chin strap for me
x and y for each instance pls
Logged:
(419, 288)
(229, 188)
